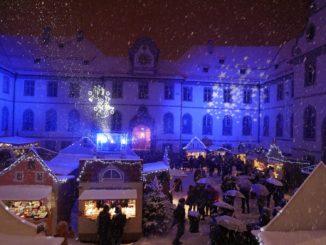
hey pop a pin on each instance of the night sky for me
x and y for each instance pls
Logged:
(175, 25)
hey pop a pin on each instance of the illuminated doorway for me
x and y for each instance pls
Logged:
(141, 138)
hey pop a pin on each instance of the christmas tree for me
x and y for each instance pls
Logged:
(158, 210)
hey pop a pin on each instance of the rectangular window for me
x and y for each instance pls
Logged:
(52, 88)
(39, 177)
(227, 95)
(143, 90)
(247, 96)
(266, 95)
(5, 85)
(169, 91)
(208, 92)
(187, 94)
(292, 87)
(19, 176)
(280, 91)
(29, 86)
(116, 89)
(74, 90)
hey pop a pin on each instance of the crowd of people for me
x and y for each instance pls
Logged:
(238, 179)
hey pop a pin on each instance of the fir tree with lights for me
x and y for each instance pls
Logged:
(158, 210)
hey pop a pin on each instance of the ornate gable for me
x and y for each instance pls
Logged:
(143, 56)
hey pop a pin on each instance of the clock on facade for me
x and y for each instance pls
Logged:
(144, 59)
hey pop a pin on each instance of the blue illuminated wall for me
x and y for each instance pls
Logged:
(201, 68)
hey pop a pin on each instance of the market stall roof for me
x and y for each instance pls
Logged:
(296, 237)
(218, 148)
(155, 166)
(84, 146)
(304, 211)
(31, 153)
(24, 192)
(16, 140)
(194, 145)
(29, 240)
(104, 194)
(65, 164)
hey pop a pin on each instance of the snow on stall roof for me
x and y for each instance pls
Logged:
(29, 240)
(103, 194)
(155, 166)
(65, 164)
(16, 140)
(84, 146)
(295, 237)
(24, 192)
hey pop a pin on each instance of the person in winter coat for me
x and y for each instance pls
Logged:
(118, 224)
(261, 203)
(104, 225)
(191, 197)
(245, 201)
(179, 219)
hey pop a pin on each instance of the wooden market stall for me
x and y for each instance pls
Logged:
(111, 182)
(195, 148)
(28, 189)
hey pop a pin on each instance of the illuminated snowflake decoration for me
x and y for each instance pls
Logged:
(101, 98)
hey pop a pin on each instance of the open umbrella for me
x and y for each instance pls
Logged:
(203, 181)
(231, 223)
(234, 193)
(274, 181)
(244, 184)
(223, 205)
(260, 190)
(177, 173)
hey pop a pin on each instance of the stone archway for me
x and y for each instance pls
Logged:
(142, 130)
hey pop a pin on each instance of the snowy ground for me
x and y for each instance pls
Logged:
(201, 238)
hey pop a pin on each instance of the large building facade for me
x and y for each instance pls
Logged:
(226, 95)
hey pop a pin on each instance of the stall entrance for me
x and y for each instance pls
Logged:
(323, 135)
(141, 138)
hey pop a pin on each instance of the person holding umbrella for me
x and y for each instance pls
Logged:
(179, 219)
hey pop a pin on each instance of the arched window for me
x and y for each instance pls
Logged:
(266, 126)
(73, 121)
(51, 120)
(168, 123)
(111, 174)
(309, 123)
(227, 125)
(116, 121)
(279, 125)
(187, 124)
(5, 119)
(207, 124)
(28, 120)
(246, 126)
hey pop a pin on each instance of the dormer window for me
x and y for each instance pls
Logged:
(221, 61)
(310, 32)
